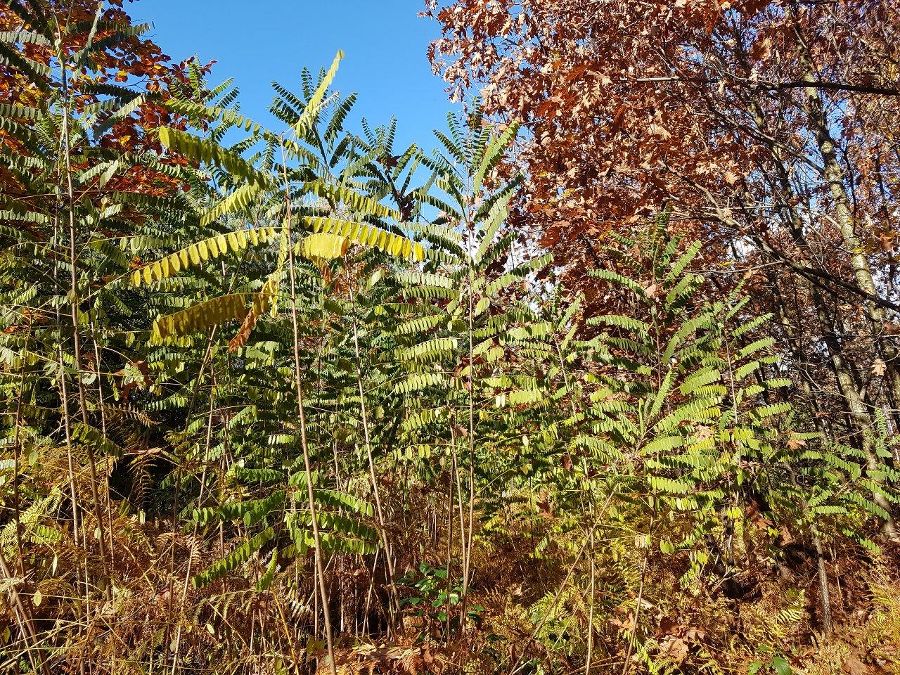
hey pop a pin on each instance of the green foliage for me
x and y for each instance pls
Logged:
(461, 410)
(684, 397)
(201, 251)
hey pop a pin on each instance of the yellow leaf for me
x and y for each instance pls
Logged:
(325, 246)
(233, 242)
(372, 238)
(222, 242)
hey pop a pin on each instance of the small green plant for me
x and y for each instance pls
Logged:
(433, 596)
(770, 662)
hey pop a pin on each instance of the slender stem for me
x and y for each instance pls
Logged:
(467, 552)
(26, 625)
(187, 573)
(298, 377)
(449, 543)
(74, 300)
(626, 664)
(824, 596)
(590, 635)
(382, 527)
(17, 460)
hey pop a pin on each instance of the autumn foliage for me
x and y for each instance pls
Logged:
(122, 62)
(607, 382)
(766, 129)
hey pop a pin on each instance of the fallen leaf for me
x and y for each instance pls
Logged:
(854, 666)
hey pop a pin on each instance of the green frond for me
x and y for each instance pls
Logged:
(699, 379)
(683, 261)
(621, 321)
(670, 485)
(237, 201)
(87, 435)
(353, 201)
(754, 347)
(237, 557)
(206, 151)
(493, 153)
(421, 381)
(18, 111)
(616, 278)
(311, 111)
(496, 218)
(37, 72)
(420, 324)
(227, 116)
(336, 124)
(200, 317)
(682, 290)
(201, 251)
(693, 412)
(765, 411)
(746, 369)
(429, 350)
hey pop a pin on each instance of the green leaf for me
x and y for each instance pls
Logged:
(201, 316)
(781, 666)
(311, 111)
(199, 251)
(207, 151)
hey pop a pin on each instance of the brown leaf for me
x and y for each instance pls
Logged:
(795, 442)
(675, 650)
(854, 666)
(785, 538)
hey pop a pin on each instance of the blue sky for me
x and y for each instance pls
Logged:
(384, 43)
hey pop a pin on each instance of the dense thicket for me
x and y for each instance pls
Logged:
(767, 128)
(299, 400)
